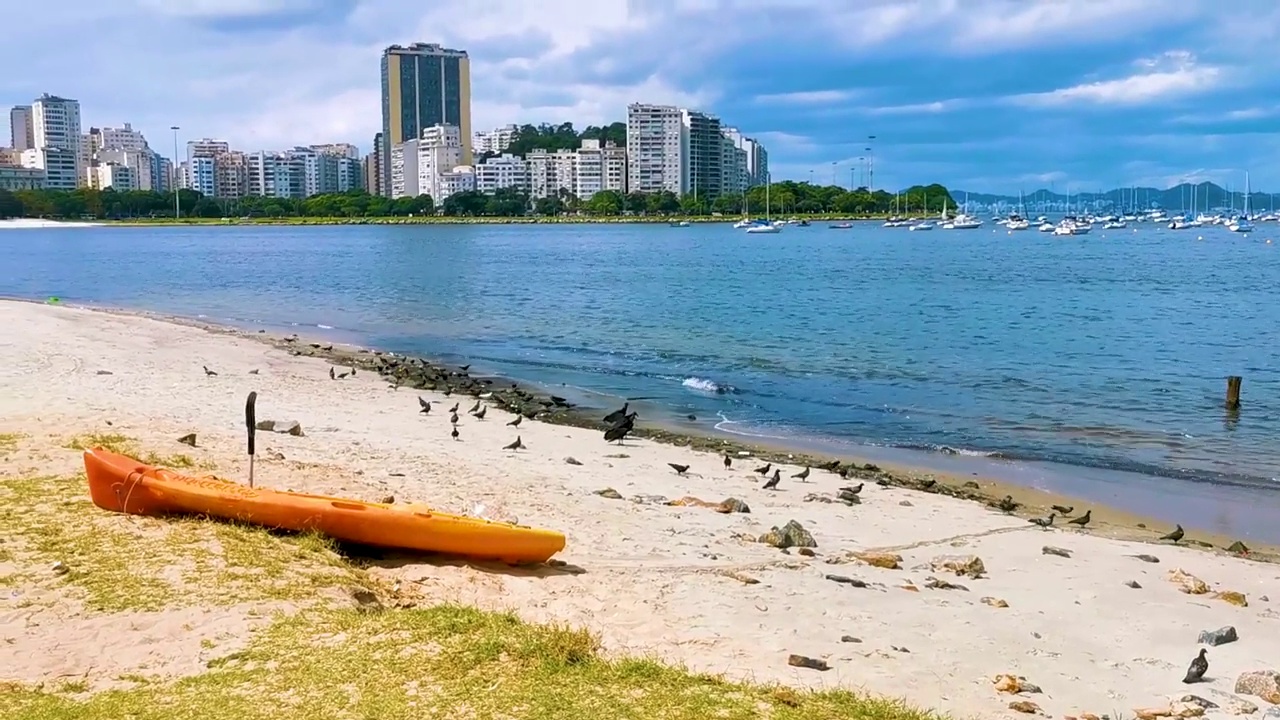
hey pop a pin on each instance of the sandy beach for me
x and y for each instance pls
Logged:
(1074, 612)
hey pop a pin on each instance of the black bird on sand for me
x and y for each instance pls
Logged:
(1064, 510)
(803, 474)
(425, 405)
(448, 391)
(927, 484)
(454, 418)
(1007, 504)
(343, 376)
(618, 414)
(475, 407)
(454, 409)
(517, 445)
(620, 431)
(454, 433)
(728, 462)
(516, 422)
(853, 490)
(483, 410)
(764, 469)
(1082, 520)
(1175, 536)
(1198, 668)
(773, 481)
(1043, 522)
(832, 466)
(332, 375)
(253, 371)
(680, 469)
(208, 372)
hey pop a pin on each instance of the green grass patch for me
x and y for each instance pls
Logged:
(9, 442)
(125, 445)
(442, 662)
(121, 562)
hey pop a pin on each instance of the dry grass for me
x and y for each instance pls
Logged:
(442, 662)
(123, 562)
(125, 445)
(9, 443)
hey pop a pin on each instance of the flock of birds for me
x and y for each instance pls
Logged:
(621, 423)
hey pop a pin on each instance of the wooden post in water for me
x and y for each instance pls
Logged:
(1233, 392)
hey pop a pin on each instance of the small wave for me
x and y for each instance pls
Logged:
(324, 327)
(708, 386)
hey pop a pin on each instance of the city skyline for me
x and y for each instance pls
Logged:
(985, 95)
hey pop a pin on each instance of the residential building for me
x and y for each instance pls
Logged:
(403, 166)
(350, 175)
(733, 163)
(439, 151)
(460, 179)
(56, 138)
(112, 176)
(494, 141)
(376, 170)
(655, 159)
(22, 128)
(372, 172)
(11, 157)
(600, 168)
(21, 178)
(702, 150)
(142, 163)
(552, 172)
(202, 175)
(163, 174)
(341, 150)
(502, 172)
(231, 175)
(271, 174)
(125, 138)
(424, 85)
(207, 147)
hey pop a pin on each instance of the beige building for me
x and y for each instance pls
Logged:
(600, 168)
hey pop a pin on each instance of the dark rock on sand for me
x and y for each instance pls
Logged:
(802, 661)
(1133, 584)
(790, 535)
(1051, 550)
(571, 460)
(609, 493)
(850, 639)
(1221, 636)
(1264, 684)
(188, 439)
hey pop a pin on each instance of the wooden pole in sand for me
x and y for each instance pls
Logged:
(1233, 392)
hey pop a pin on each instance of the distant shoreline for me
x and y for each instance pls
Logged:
(451, 220)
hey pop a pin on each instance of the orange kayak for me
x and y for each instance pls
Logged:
(122, 484)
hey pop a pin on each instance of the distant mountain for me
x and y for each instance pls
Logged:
(1174, 198)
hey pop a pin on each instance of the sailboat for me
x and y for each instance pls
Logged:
(767, 227)
(1016, 221)
(924, 224)
(1242, 224)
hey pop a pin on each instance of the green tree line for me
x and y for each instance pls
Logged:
(783, 198)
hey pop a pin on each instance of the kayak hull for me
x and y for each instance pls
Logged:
(122, 484)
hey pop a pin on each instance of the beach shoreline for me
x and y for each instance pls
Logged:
(869, 589)
(1119, 522)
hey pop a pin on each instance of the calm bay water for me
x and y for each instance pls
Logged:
(1104, 353)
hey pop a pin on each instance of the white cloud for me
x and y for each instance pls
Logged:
(1172, 74)
(226, 8)
(810, 97)
(937, 106)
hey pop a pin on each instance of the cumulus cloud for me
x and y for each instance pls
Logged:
(1171, 74)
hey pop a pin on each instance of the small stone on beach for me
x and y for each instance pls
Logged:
(802, 661)
(1221, 636)
(1051, 550)
(609, 493)
(790, 535)
(850, 639)
(845, 580)
(1133, 584)
(188, 439)
(571, 460)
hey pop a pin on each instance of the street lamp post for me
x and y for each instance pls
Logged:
(177, 209)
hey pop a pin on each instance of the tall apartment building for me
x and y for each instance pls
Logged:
(113, 176)
(56, 141)
(502, 172)
(424, 85)
(600, 168)
(655, 148)
(207, 147)
(22, 128)
(757, 162)
(702, 149)
(733, 162)
(231, 175)
(494, 141)
(125, 138)
(551, 172)
(403, 169)
(271, 174)
(439, 151)
(141, 163)
(202, 175)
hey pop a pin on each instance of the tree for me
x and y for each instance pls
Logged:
(10, 205)
(605, 202)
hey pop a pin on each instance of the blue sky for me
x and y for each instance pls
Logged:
(986, 95)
